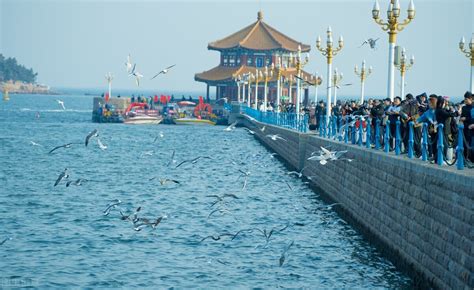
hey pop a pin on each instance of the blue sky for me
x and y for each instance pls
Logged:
(74, 43)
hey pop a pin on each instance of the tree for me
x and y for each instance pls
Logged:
(11, 70)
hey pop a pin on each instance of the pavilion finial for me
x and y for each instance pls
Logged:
(260, 15)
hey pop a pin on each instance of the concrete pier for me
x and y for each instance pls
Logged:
(421, 216)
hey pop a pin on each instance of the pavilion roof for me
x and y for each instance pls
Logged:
(259, 36)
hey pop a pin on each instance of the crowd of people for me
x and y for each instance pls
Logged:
(432, 110)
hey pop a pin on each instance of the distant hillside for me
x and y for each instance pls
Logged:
(10, 70)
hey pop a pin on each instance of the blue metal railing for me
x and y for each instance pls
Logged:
(287, 120)
(378, 137)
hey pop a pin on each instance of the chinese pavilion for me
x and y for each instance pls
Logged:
(255, 47)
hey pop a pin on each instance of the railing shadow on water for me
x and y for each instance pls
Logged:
(363, 131)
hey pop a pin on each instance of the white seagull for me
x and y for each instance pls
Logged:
(128, 64)
(61, 103)
(371, 42)
(63, 175)
(101, 145)
(231, 127)
(35, 144)
(136, 74)
(276, 137)
(163, 71)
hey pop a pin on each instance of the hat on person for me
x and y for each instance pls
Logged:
(446, 98)
(387, 99)
(468, 95)
(409, 97)
(433, 96)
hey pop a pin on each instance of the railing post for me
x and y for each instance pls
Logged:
(397, 137)
(387, 137)
(306, 123)
(321, 125)
(346, 132)
(368, 134)
(460, 148)
(424, 143)
(361, 132)
(353, 134)
(410, 139)
(440, 144)
(334, 126)
(377, 134)
(340, 129)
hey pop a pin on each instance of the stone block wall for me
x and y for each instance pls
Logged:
(421, 215)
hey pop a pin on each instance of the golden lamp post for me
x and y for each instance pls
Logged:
(258, 78)
(279, 69)
(249, 80)
(238, 81)
(298, 61)
(329, 52)
(470, 54)
(316, 81)
(336, 81)
(362, 74)
(392, 26)
(403, 66)
(267, 76)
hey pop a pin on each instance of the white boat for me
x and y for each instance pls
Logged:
(143, 119)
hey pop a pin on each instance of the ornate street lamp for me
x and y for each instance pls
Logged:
(392, 26)
(329, 52)
(403, 67)
(336, 81)
(109, 77)
(470, 54)
(267, 76)
(279, 69)
(299, 63)
(362, 74)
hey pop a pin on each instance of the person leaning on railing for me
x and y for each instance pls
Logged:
(409, 113)
(467, 117)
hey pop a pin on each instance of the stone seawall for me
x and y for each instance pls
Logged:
(421, 216)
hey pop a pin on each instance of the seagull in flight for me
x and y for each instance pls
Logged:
(339, 86)
(284, 253)
(276, 137)
(94, 133)
(371, 42)
(172, 160)
(101, 145)
(231, 127)
(193, 161)
(306, 81)
(61, 103)
(63, 175)
(5, 240)
(68, 145)
(147, 222)
(33, 143)
(299, 174)
(160, 135)
(111, 205)
(136, 74)
(163, 71)
(77, 182)
(250, 131)
(128, 64)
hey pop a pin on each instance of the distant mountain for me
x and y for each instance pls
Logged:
(10, 70)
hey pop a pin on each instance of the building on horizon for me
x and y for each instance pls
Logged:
(254, 47)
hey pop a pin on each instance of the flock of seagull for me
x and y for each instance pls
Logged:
(133, 72)
(219, 204)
